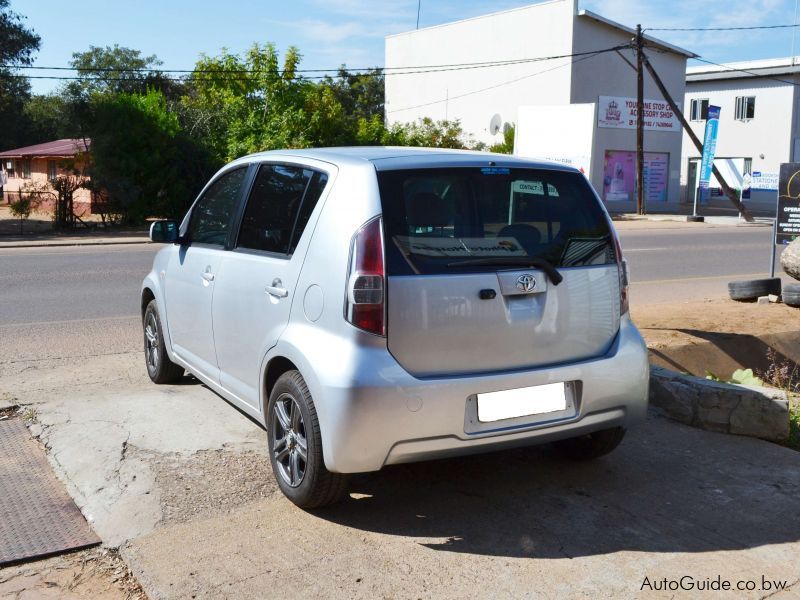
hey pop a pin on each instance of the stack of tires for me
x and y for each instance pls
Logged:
(753, 289)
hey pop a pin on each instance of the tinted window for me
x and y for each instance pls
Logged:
(276, 211)
(211, 216)
(315, 190)
(441, 220)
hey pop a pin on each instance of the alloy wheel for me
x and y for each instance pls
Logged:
(289, 446)
(151, 342)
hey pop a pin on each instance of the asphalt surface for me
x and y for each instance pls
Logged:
(50, 285)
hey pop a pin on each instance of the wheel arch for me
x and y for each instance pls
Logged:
(277, 366)
(147, 296)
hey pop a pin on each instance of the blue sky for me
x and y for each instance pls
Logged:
(331, 32)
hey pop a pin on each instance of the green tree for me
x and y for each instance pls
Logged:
(17, 46)
(142, 161)
(48, 117)
(113, 69)
(507, 145)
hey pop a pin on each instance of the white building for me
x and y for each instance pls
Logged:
(575, 108)
(759, 127)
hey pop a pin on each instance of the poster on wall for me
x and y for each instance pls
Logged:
(617, 112)
(619, 176)
(787, 227)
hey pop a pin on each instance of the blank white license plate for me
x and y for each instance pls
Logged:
(521, 402)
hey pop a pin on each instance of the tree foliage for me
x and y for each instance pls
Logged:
(18, 44)
(141, 159)
(155, 141)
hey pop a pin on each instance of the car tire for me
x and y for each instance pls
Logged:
(592, 445)
(159, 367)
(791, 294)
(752, 289)
(292, 431)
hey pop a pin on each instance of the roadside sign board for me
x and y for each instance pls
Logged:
(709, 151)
(787, 225)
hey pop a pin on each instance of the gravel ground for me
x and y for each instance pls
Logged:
(98, 573)
(209, 482)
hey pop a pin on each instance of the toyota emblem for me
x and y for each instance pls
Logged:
(526, 283)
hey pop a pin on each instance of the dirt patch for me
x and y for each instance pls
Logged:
(719, 335)
(98, 573)
(209, 482)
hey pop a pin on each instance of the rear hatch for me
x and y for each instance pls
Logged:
(474, 256)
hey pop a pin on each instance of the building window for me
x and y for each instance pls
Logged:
(699, 109)
(745, 108)
(52, 170)
(24, 168)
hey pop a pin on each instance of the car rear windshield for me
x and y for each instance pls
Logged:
(477, 219)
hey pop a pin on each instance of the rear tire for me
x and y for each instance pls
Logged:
(159, 367)
(753, 289)
(592, 445)
(295, 446)
(791, 294)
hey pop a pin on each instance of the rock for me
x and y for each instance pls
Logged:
(790, 259)
(742, 410)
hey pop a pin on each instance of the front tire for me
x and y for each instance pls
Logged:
(295, 446)
(592, 445)
(159, 367)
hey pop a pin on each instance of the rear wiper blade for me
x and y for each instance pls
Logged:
(514, 261)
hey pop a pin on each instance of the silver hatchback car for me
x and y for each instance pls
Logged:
(374, 306)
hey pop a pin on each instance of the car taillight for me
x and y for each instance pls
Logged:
(365, 303)
(624, 280)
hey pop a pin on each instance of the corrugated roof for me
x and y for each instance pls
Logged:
(769, 67)
(65, 147)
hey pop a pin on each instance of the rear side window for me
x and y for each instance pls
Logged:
(279, 207)
(211, 216)
(454, 220)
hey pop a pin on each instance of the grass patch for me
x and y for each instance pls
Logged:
(794, 423)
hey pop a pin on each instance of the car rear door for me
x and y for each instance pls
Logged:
(191, 274)
(470, 256)
(257, 279)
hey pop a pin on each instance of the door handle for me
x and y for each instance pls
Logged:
(276, 290)
(208, 276)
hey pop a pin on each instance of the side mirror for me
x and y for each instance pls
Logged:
(164, 231)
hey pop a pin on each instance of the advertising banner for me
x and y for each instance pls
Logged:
(709, 151)
(619, 176)
(617, 112)
(787, 226)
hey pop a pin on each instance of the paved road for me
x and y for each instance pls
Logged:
(669, 265)
(62, 287)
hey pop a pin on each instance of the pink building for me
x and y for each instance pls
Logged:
(41, 163)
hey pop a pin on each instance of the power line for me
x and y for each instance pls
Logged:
(721, 28)
(583, 56)
(754, 73)
(369, 70)
(232, 75)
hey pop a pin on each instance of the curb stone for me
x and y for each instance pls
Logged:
(753, 411)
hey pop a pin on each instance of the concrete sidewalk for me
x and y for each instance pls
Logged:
(621, 222)
(180, 480)
(88, 239)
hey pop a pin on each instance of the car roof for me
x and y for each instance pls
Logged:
(402, 157)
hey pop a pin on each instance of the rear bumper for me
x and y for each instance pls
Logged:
(382, 415)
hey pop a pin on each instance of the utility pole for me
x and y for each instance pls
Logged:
(729, 192)
(639, 124)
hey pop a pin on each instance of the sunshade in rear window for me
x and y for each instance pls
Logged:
(476, 219)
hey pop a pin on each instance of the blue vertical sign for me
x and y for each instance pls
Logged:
(709, 151)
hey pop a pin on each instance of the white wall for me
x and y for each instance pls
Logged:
(530, 32)
(769, 132)
(609, 75)
(561, 133)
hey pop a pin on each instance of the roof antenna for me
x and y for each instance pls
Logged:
(419, 3)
